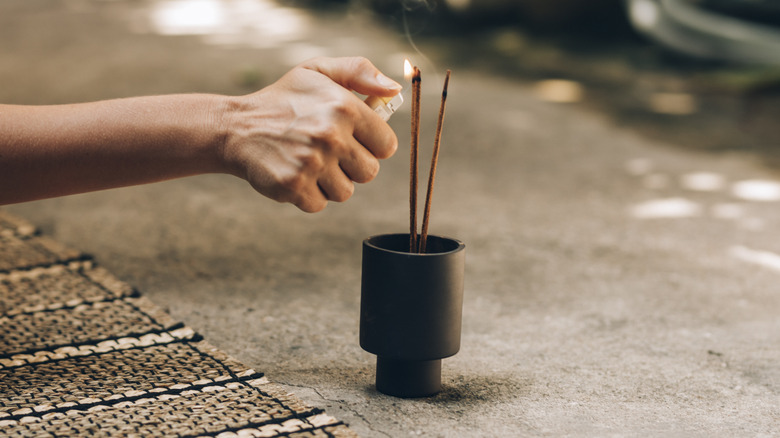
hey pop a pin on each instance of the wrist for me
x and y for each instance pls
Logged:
(223, 116)
(208, 121)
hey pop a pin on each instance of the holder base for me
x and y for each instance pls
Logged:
(408, 379)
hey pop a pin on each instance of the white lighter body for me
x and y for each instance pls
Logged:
(385, 106)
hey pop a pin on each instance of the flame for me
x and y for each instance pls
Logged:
(408, 70)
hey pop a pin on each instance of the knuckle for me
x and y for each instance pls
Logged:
(344, 194)
(360, 63)
(291, 185)
(326, 133)
(388, 146)
(296, 195)
(311, 206)
(341, 108)
(369, 172)
(334, 119)
(373, 171)
(312, 63)
(309, 161)
(330, 139)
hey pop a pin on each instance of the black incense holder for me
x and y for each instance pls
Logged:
(410, 311)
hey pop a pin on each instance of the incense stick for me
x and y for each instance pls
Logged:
(416, 85)
(434, 162)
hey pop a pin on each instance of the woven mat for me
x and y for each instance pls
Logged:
(83, 353)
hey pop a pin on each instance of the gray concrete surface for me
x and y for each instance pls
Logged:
(590, 309)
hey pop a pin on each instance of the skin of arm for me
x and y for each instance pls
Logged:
(304, 139)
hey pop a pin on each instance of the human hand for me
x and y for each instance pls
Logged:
(307, 138)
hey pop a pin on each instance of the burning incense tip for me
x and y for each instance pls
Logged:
(446, 84)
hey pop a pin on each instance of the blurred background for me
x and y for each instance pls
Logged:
(702, 74)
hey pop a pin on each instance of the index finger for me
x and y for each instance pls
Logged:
(356, 74)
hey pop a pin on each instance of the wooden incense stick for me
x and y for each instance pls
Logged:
(416, 85)
(434, 162)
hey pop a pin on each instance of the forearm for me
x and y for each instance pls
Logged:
(48, 151)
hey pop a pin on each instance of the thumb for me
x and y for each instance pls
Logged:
(356, 74)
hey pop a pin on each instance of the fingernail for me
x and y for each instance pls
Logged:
(387, 82)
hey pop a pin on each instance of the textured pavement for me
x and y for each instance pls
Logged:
(615, 286)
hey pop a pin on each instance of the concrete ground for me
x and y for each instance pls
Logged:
(615, 286)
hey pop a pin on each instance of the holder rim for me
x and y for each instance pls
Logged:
(459, 246)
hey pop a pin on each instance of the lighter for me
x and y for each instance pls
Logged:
(385, 106)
